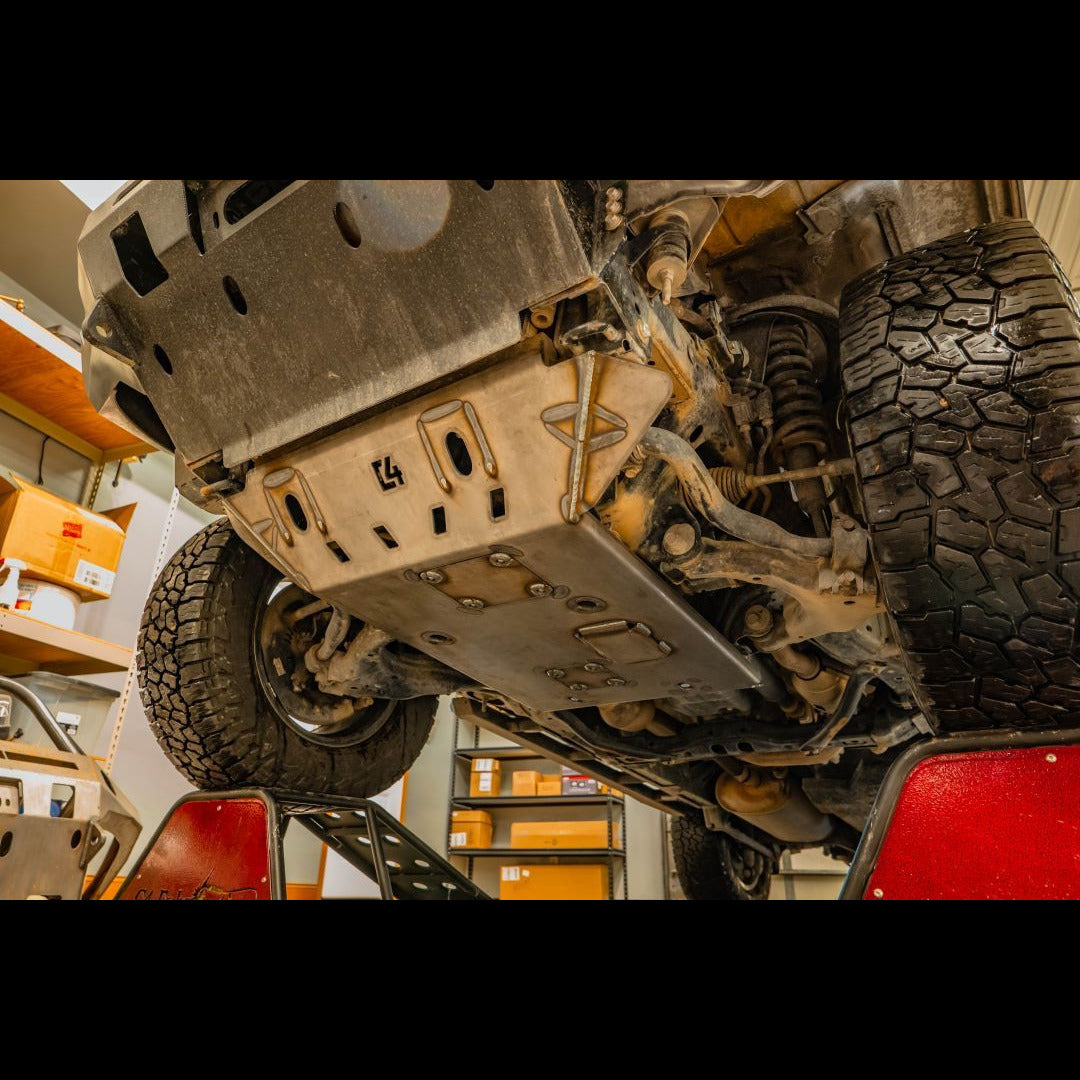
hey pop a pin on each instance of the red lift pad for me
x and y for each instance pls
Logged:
(987, 825)
(208, 849)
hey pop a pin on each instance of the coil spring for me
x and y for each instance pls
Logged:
(798, 411)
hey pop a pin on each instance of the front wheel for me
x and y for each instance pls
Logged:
(226, 694)
(961, 369)
(712, 866)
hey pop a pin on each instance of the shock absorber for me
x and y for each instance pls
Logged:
(801, 432)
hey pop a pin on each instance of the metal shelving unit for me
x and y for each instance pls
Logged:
(502, 801)
(614, 809)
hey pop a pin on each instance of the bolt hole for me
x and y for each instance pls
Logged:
(438, 520)
(586, 604)
(696, 433)
(497, 501)
(5, 844)
(487, 185)
(626, 345)
(848, 603)
(102, 330)
(459, 453)
(296, 512)
(391, 839)
(346, 223)
(744, 747)
(236, 297)
(162, 357)
(76, 836)
(217, 220)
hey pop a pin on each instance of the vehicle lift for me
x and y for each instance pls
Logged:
(975, 816)
(211, 846)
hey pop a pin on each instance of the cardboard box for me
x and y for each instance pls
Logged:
(470, 829)
(563, 834)
(603, 789)
(549, 785)
(587, 882)
(485, 778)
(524, 782)
(60, 541)
(579, 785)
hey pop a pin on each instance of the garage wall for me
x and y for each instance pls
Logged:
(1054, 208)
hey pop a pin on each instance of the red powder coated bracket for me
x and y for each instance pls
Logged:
(991, 816)
(227, 845)
(212, 846)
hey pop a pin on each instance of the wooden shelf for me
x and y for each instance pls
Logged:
(41, 384)
(32, 645)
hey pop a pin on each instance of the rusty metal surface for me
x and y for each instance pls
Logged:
(437, 279)
(508, 597)
(815, 236)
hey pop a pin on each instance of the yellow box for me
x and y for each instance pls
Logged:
(562, 834)
(524, 782)
(549, 784)
(470, 829)
(59, 541)
(587, 882)
(485, 778)
(603, 789)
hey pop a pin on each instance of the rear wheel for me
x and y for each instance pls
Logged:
(961, 370)
(712, 866)
(224, 687)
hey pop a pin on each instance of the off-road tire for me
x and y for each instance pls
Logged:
(203, 701)
(704, 863)
(961, 373)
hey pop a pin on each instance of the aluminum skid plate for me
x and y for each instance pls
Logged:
(458, 523)
(46, 856)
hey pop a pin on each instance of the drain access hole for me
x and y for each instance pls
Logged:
(339, 552)
(249, 196)
(162, 357)
(438, 520)
(296, 512)
(140, 265)
(459, 453)
(236, 297)
(487, 185)
(5, 843)
(497, 499)
(384, 534)
(346, 223)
